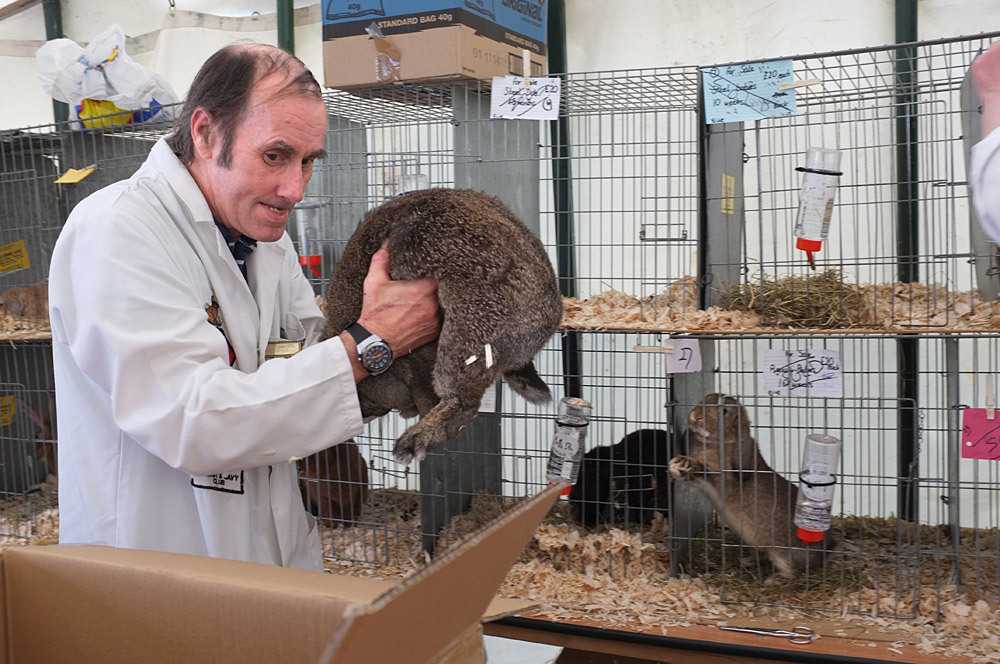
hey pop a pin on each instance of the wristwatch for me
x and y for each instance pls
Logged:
(373, 352)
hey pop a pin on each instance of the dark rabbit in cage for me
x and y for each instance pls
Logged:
(498, 296)
(334, 482)
(724, 463)
(626, 483)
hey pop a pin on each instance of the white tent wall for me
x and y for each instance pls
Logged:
(600, 35)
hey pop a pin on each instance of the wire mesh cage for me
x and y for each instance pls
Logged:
(673, 244)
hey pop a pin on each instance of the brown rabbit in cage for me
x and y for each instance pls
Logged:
(497, 292)
(724, 463)
(45, 448)
(334, 482)
(26, 301)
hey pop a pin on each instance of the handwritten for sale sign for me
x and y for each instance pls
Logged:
(980, 434)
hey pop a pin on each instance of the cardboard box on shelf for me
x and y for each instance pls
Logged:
(94, 604)
(377, 42)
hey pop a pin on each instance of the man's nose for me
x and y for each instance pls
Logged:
(292, 185)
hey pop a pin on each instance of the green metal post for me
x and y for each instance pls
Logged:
(54, 30)
(563, 199)
(286, 25)
(907, 249)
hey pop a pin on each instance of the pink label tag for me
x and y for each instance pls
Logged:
(980, 436)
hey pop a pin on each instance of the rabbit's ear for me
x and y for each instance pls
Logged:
(11, 302)
(35, 414)
(745, 443)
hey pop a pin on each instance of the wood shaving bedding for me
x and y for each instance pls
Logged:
(32, 518)
(894, 307)
(619, 579)
(17, 328)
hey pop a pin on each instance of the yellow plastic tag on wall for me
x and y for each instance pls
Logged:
(6, 410)
(73, 175)
(13, 256)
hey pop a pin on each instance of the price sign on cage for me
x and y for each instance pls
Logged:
(749, 91)
(489, 401)
(683, 355)
(6, 409)
(980, 434)
(802, 373)
(513, 98)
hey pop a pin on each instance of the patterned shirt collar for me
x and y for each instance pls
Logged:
(241, 248)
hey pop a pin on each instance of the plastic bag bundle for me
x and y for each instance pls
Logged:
(101, 83)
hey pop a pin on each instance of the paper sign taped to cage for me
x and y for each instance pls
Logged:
(489, 402)
(802, 373)
(980, 434)
(14, 256)
(511, 99)
(746, 92)
(6, 409)
(683, 355)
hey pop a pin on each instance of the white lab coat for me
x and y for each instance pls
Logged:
(984, 179)
(163, 445)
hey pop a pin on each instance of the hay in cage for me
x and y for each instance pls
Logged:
(820, 301)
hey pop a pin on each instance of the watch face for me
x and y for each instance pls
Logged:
(377, 357)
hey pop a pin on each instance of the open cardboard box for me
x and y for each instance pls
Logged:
(85, 604)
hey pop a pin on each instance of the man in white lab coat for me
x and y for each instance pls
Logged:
(165, 290)
(984, 178)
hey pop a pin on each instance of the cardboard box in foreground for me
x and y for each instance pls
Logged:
(382, 42)
(86, 604)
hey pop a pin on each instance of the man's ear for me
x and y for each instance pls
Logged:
(203, 133)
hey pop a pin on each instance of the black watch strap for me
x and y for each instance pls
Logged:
(358, 332)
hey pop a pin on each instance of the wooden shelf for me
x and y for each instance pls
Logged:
(585, 641)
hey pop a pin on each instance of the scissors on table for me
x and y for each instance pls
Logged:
(798, 634)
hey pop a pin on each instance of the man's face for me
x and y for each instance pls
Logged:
(273, 151)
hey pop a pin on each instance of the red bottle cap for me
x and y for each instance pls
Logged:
(809, 535)
(566, 491)
(808, 245)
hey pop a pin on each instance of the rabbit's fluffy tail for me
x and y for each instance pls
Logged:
(526, 382)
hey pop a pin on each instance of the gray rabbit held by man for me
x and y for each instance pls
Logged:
(497, 293)
(750, 497)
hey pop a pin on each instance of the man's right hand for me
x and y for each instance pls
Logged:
(404, 313)
(986, 77)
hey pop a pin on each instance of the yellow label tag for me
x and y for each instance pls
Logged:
(728, 194)
(282, 349)
(73, 175)
(13, 256)
(6, 410)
